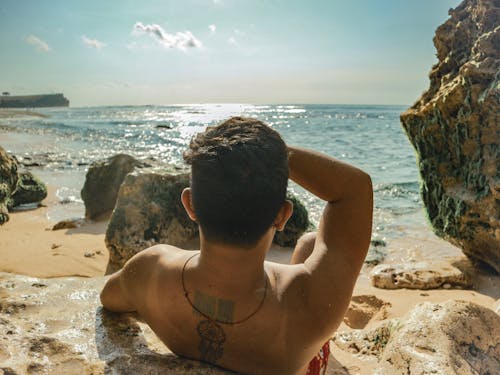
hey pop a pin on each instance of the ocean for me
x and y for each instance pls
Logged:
(370, 137)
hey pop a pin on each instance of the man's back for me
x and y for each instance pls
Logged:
(268, 332)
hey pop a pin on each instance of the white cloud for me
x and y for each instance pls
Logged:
(232, 41)
(94, 43)
(212, 28)
(179, 40)
(38, 43)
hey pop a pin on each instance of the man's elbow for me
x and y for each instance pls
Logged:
(113, 299)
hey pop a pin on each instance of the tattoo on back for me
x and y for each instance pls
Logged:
(211, 333)
(212, 338)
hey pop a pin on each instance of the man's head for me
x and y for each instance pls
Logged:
(239, 176)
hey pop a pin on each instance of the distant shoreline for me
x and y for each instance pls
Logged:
(10, 113)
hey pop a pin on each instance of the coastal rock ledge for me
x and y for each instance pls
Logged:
(453, 337)
(57, 326)
(454, 128)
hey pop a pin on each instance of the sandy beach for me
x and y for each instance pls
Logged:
(30, 247)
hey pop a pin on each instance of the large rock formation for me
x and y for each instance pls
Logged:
(454, 337)
(149, 211)
(8, 183)
(31, 101)
(102, 182)
(17, 187)
(454, 128)
(57, 326)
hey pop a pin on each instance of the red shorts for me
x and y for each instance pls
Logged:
(318, 364)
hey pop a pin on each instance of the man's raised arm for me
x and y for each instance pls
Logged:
(344, 231)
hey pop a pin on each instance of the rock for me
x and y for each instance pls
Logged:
(496, 307)
(421, 275)
(68, 224)
(57, 326)
(454, 129)
(29, 189)
(8, 183)
(365, 308)
(17, 187)
(296, 225)
(454, 337)
(149, 211)
(370, 342)
(102, 182)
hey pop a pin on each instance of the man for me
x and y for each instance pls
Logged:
(225, 304)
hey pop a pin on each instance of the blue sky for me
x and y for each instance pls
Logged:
(100, 52)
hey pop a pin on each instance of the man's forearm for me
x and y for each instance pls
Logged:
(324, 176)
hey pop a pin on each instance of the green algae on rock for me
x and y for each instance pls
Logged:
(454, 128)
(17, 187)
(29, 189)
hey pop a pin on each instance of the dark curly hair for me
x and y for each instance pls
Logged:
(239, 177)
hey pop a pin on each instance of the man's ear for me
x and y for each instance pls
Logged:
(284, 214)
(187, 202)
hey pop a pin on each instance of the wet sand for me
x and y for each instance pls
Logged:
(28, 246)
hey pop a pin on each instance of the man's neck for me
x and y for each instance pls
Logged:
(234, 268)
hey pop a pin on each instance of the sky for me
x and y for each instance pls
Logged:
(131, 52)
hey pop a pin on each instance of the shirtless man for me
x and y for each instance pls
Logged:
(225, 304)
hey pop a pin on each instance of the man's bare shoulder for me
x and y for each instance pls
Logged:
(163, 256)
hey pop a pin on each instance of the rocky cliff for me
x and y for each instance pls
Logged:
(455, 129)
(32, 101)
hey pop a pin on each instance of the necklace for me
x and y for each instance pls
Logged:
(186, 294)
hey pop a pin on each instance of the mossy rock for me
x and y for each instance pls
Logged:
(29, 190)
(296, 225)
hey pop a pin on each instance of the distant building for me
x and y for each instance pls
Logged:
(6, 93)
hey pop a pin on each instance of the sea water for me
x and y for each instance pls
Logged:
(370, 137)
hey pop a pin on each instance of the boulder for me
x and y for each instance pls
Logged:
(102, 182)
(419, 275)
(29, 189)
(8, 182)
(454, 127)
(149, 211)
(17, 187)
(57, 326)
(454, 337)
(296, 225)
